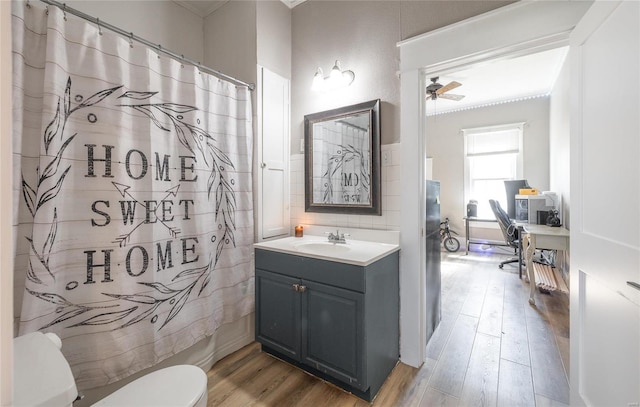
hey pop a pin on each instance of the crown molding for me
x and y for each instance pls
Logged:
(292, 3)
(201, 11)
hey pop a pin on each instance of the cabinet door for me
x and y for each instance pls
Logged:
(278, 313)
(333, 332)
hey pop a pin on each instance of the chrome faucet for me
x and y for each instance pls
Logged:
(337, 238)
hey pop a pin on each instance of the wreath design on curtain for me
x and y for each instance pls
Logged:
(131, 308)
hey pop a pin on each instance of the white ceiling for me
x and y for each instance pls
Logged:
(501, 81)
(205, 7)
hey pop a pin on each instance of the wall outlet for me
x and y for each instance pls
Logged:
(302, 145)
(386, 157)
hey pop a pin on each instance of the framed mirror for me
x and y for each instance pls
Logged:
(342, 160)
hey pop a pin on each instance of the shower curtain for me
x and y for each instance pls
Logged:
(133, 220)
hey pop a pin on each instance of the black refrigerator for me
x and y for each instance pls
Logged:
(432, 233)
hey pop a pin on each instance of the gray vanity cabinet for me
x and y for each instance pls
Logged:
(332, 332)
(278, 322)
(313, 323)
(335, 320)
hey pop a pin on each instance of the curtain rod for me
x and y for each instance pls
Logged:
(156, 47)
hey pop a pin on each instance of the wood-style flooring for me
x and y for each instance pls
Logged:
(491, 349)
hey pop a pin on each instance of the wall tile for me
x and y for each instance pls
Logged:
(393, 173)
(390, 192)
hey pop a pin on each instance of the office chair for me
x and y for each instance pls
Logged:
(509, 230)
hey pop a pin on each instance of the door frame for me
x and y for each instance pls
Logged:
(517, 29)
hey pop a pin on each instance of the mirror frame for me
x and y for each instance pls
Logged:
(374, 207)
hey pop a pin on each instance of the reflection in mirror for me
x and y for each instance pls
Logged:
(342, 157)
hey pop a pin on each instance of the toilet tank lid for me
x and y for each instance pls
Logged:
(41, 374)
(181, 385)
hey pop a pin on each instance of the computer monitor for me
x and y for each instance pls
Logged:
(512, 188)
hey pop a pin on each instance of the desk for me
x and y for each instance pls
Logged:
(544, 237)
(467, 221)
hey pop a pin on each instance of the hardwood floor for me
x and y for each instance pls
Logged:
(491, 349)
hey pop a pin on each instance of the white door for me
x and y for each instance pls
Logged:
(605, 206)
(273, 154)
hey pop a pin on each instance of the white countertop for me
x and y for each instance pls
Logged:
(356, 252)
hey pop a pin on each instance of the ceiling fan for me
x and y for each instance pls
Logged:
(436, 90)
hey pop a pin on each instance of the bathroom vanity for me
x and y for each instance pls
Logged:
(330, 309)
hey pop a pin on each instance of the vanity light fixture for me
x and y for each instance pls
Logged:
(336, 79)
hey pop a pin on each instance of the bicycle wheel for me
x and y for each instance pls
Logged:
(451, 244)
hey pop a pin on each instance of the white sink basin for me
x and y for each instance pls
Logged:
(323, 248)
(357, 252)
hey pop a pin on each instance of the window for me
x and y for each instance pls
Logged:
(492, 155)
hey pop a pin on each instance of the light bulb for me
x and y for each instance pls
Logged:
(318, 80)
(336, 74)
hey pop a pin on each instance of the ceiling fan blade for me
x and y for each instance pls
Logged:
(448, 87)
(451, 96)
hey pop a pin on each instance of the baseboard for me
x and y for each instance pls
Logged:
(238, 336)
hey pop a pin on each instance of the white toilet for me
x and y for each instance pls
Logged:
(42, 377)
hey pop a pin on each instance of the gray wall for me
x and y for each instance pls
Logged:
(230, 40)
(274, 37)
(162, 22)
(363, 36)
(446, 145)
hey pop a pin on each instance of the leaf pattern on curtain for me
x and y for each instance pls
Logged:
(134, 220)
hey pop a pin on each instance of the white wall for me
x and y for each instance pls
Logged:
(445, 143)
(162, 22)
(559, 151)
(559, 144)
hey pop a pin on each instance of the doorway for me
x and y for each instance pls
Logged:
(484, 314)
(498, 37)
(522, 91)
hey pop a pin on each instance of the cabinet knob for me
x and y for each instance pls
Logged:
(302, 288)
(296, 287)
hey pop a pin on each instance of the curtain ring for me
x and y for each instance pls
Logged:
(99, 27)
(131, 39)
(64, 11)
(28, 4)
